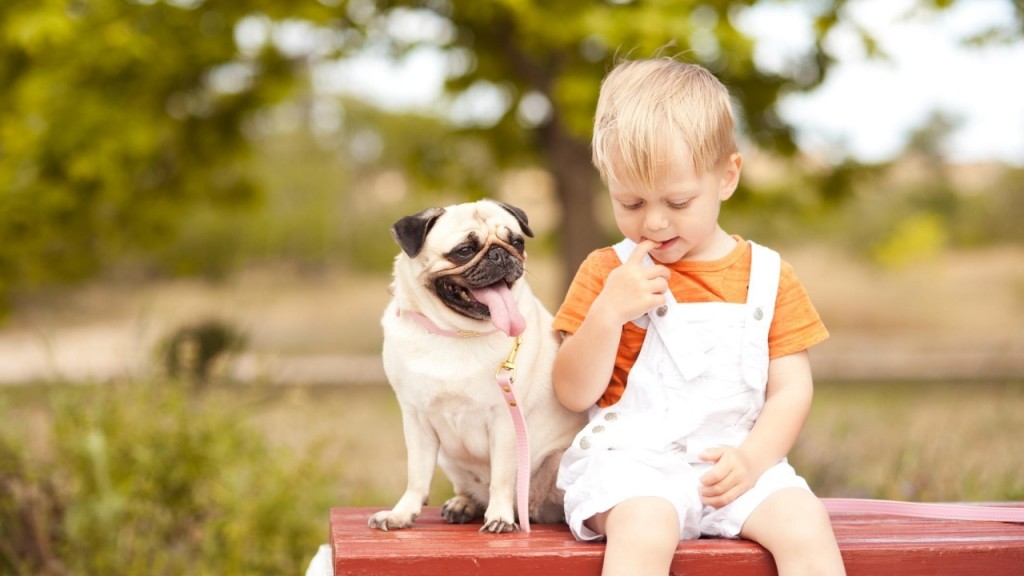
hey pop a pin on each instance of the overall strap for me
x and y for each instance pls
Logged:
(688, 351)
(763, 285)
(762, 291)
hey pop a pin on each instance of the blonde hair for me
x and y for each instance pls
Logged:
(646, 106)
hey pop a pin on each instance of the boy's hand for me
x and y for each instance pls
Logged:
(730, 477)
(633, 288)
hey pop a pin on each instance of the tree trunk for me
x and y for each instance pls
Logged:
(568, 157)
(577, 186)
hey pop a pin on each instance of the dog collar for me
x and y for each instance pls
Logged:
(430, 326)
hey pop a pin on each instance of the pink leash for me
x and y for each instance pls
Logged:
(506, 376)
(938, 511)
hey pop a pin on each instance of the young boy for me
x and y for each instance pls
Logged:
(686, 345)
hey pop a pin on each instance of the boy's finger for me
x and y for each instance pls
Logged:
(712, 454)
(713, 476)
(641, 251)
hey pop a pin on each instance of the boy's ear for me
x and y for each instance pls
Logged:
(730, 176)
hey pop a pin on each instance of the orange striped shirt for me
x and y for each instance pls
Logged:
(796, 325)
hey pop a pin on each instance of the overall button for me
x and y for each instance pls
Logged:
(611, 416)
(662, 310)
(758, 313)
(597, 429)
(585, 442)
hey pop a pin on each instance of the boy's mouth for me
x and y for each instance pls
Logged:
(665, 244)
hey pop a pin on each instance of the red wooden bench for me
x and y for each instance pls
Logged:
(871, 545)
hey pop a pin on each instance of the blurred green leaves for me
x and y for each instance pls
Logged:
(143, 478)
(116, 125)
(187, 136)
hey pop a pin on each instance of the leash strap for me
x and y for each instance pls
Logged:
(505, 377)
(938, 511)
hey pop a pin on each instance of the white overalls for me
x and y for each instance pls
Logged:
(698, 382)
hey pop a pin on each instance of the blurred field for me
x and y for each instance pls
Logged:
(917, 441)
(954, 315)
(922, 441)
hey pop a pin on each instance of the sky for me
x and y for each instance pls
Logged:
(872, 105)
(866, 108)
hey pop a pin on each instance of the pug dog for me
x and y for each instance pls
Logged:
(459, 301)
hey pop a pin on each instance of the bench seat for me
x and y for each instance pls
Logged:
(870, 544)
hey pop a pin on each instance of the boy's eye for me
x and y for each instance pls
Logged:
(679, 205)
(633, 206)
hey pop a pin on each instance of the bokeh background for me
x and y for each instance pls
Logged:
(195, 199)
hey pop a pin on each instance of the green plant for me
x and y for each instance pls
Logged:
(923, 441)
(150, 480)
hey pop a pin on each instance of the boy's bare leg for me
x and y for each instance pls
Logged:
(794, 526)
(642, 533)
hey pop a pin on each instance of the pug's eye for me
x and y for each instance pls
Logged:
(463, 253)
(518, 243)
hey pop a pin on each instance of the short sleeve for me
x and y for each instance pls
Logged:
(584, 289)
(796, 325)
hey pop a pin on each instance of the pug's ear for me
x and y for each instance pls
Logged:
(411, 231)
(520, 217)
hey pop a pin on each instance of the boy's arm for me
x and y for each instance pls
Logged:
(787, 402)
(584, 363)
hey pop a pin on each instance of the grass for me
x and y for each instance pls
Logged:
(133, 478)
(918, 441)
(915, 441)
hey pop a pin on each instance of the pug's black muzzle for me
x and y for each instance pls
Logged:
(496, 266)
(493, 265)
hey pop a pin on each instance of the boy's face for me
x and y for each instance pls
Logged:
(680, 211)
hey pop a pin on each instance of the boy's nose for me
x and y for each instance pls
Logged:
(654, 220)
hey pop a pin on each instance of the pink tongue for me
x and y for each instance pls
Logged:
(505, 314)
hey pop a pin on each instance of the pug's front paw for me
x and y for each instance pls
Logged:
(500, 526)
(390, 520)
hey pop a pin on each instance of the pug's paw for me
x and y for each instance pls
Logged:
(390, 520)
(460, 510)
(500, 526)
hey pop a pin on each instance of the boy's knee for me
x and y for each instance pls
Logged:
(643, 534)
(795, 527)
(787, 519)
(647, 522)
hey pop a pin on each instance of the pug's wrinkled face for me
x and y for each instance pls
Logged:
(470, 256)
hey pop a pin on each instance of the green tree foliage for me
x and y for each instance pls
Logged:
(123, 120)
(547, 59)
(118, 121)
